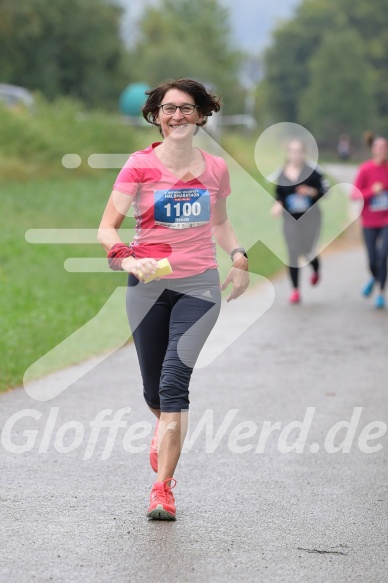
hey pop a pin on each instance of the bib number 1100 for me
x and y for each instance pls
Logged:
(186, 209)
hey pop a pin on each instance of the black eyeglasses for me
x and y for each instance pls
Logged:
(170, 108)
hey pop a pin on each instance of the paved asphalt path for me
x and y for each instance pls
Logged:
(248, 517)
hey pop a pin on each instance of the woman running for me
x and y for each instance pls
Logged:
(298, 187)
(178, 193)
(371, 184)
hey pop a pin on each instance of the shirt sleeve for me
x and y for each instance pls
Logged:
(277, 179)
(321, 183)
(360, 185)
(224, 189)
(129, 178)
(279, 194)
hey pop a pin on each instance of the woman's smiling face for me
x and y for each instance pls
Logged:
(178, 126)
(296, 152)
(380, 150)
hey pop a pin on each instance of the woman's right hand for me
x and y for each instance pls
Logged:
(140, 268)
(277, 209)
(377, 187)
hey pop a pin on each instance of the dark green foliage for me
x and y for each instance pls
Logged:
(335, 53)
(65, 47)
(189, 38)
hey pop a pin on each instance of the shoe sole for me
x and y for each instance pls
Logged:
(159, 513)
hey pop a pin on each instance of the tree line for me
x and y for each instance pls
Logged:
(327, 68)
(77, 48)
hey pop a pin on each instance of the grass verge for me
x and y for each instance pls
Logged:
(43, 304)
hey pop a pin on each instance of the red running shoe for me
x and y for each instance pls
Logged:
(154, 449)
(295, 297)
(162, 503)
(314, 278)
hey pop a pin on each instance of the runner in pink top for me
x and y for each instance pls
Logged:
(162, 200)
(371, 184)
(178, 193)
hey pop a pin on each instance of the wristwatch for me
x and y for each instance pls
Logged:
(238, 250)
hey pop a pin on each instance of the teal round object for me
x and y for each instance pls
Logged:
(133, 98)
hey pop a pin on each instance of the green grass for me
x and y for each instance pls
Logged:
(43, 304)
(32, 145)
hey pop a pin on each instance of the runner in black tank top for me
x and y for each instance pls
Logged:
(299, 187)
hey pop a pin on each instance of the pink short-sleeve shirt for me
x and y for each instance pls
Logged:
(173, 217)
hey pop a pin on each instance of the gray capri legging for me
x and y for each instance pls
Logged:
(170, 321)
(302, 237)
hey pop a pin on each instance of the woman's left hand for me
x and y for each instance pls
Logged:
(239, 277)
(377, 187)
(305, 190)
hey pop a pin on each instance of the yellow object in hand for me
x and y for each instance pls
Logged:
(164, 268)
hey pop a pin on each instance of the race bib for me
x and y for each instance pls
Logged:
(296, 203)
(379, 202)
(182, 208)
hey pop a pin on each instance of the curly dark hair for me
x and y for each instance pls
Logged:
(370, 138)
(206, 100)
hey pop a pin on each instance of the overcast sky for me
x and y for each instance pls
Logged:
(251, 20)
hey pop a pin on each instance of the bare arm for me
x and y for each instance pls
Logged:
(226, 238)
(223, 231)
(115, 211)
(114, 214)
(277, 208)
